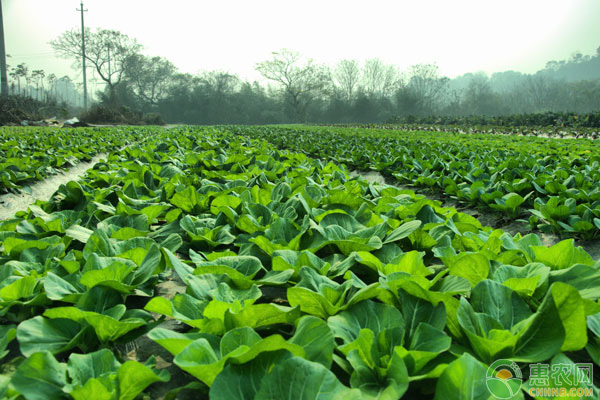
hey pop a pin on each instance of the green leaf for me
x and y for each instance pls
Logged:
(389, 381)
(243, 381)
(416, 311)
(402, 231)
(82, 367)
(52, 335)
(7, 335)
(583, 278)
(79, 233)
(572, 314)
(58, 288)
(365, 315)
(135, 377)
(543, 334)
(562, 255)
(107, 327)
(299, 379)
(499, 302)
(21, 288)
(205, 361)
(474, 267)
(259, 315)
(174, 342)
(411, 263)
(96, 389)
(464, 379)
(40, 377)
(316, 338)
(427, 343)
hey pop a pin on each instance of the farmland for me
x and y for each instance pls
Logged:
(553, 184)
(254, 266)
(33, 154)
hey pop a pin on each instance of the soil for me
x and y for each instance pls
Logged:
(486, 218)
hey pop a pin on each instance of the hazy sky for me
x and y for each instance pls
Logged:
(460, 35)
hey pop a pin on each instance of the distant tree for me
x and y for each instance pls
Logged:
(28, 80)
(51, 79)
(426, 86)
(21, 71)
(15, 77)
(346, 75)
(480, 99)
(106, 51)
(38, 76)
(301, 81)
(149, 77)
(537, 88)
(178, 104)
(379, 79)
(585, 95)
(217, 89)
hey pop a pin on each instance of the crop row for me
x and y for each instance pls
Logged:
(544, 119)
(30, 153)
(299, 283)
(553, 183)
(541, 131)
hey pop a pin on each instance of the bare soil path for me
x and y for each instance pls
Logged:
(11, 203)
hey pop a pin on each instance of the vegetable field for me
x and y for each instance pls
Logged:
(30, 154)
(552, 184)
(254, 266)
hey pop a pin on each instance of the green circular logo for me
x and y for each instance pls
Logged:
(504, 379)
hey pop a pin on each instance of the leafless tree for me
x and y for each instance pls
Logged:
(301, 80)
(38, 75)
(106, 51)
(21, 71)
(426, 85)
(379, 79)
(346, 75)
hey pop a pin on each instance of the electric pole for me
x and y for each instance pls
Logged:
(85, 99)
(3, 76)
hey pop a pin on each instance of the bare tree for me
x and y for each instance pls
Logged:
(301, 81)
(21, 72)
(346, 76)
(38, 75)
(14, 74)
(107, 51)
(51, 79)
(149, 77)
(427, 86)
(379, 79)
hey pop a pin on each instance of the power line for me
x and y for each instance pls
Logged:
(30, 54)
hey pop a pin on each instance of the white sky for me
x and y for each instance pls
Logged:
(460, 35)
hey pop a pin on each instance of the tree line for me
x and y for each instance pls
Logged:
(302, 90)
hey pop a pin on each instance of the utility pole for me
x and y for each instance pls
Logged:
(85, 98)
(3, 77)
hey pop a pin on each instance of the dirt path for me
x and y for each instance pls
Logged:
(486, 219)
(11, 203)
